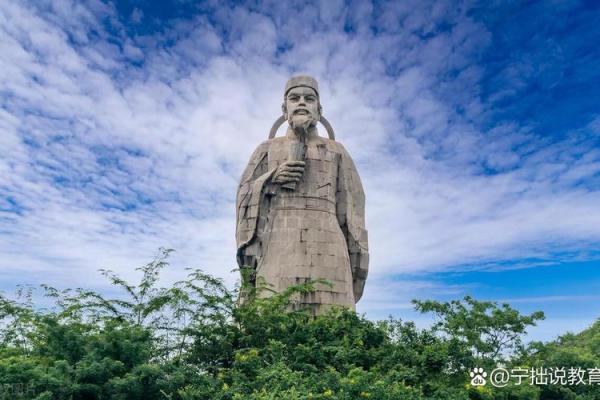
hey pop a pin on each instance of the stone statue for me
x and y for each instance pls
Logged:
(301, 207)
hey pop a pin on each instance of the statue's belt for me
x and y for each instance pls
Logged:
(305, 203)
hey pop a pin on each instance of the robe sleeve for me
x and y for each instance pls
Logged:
(251, 207)
(350, 212)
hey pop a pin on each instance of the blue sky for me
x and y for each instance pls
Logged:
(475, 127)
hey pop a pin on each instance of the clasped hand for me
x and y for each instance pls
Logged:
(289, 171)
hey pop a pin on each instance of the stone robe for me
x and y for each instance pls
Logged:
(315, 231)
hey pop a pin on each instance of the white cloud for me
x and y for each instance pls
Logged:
(103, 161)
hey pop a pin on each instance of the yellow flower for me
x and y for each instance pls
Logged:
(328, 393)
(225, 386)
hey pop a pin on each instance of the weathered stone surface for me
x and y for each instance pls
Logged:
(300, 208)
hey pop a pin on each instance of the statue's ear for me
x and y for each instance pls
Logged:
(284, 110)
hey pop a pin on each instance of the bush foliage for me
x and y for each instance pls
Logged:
(194, 341)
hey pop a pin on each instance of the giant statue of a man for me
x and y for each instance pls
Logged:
(301, 208)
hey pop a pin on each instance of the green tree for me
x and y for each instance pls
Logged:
(193, 340)
(491, 332)
(581, 350)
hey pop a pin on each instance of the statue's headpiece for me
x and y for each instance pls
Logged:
(301, 80)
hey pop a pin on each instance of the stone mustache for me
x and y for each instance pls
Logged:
(301, 208)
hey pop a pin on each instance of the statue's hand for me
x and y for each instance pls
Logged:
(289, 171)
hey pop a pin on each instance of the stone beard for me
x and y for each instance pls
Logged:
(301, 209)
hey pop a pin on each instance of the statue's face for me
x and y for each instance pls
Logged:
(302, 107)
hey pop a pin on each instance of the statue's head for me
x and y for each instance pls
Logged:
(301, 106)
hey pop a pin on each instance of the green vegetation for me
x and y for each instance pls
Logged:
(193, 341)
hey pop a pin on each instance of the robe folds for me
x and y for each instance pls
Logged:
(315, 231)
